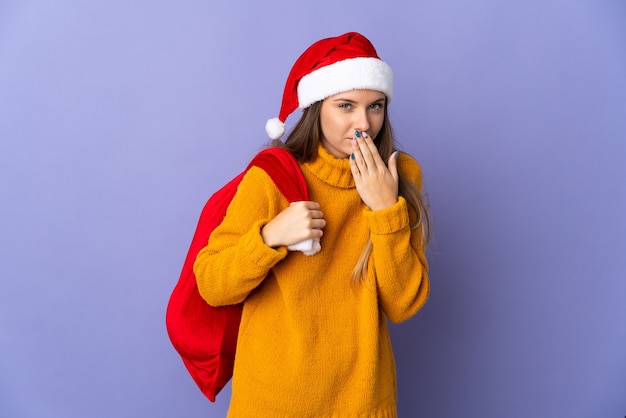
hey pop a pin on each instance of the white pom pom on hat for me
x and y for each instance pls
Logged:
(331, 66)
(275, 128)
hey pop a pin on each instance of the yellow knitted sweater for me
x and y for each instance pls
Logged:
(312, 344)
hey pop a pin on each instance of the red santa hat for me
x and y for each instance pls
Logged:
(331, 66)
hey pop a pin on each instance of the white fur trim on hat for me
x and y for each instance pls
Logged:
(275, 128)
(346, 75)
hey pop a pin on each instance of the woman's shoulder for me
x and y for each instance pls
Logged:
(255, 191)
(256, 178)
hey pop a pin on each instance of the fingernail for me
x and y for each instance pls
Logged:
(397, 152)
(357, 134)
(364, 134)
(352, 156)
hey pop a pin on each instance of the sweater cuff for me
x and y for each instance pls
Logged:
(389, 220)
(258, 252)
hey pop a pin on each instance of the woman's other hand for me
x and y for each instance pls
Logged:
(376, 182)
(297, 222)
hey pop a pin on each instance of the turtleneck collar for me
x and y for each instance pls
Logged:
(331, 170)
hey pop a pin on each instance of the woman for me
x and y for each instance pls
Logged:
(313, 340)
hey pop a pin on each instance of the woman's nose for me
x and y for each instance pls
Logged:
(361, 122)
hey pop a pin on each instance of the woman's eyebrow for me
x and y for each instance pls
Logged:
(339, 99)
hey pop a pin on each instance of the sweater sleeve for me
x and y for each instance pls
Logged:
(398, 254)
(236, 260)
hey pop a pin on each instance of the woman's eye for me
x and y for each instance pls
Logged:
(345, 106)
(376, 106)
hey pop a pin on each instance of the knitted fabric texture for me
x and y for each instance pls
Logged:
(312, 344)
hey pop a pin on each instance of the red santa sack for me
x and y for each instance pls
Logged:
(203, 335)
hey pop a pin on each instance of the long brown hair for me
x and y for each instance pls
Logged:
(303, 141)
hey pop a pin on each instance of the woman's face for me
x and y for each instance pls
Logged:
(344, 113)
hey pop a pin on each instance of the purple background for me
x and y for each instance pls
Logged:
(118, 119)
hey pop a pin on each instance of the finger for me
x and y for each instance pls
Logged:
(307, 204)
(317, 214)
(315, 233)
(318, 224)
(366, 162)
(361, 157)
(354, 166)
(372, 149)
(371, 156)
(393, 165)
(312, 205)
